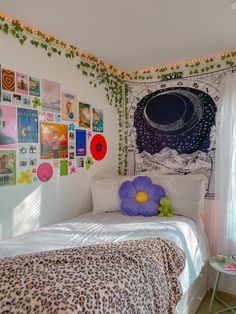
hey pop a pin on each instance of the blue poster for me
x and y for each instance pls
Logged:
(80, 143)
(27, 125)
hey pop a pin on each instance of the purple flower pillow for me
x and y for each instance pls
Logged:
(140, 197)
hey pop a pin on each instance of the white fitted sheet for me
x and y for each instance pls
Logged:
(92, 228)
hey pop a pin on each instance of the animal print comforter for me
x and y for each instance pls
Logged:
(135, 276)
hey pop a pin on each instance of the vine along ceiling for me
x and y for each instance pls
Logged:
(132, 34)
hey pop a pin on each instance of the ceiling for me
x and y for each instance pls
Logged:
(132, 34)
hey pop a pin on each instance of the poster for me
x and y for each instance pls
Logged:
(84, 115)
(21, 83)
(54, 140)
(27, 125)
(34, 86)
(51, 96)
(80, 143)
(8, 137)
(69, 107)
(97, 120)
(7, 167)
(8, 80)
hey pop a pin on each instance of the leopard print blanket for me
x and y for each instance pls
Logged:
(135, 276)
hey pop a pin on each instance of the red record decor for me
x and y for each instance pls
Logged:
(98, 147)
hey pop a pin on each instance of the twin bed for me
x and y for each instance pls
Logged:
(106, 263)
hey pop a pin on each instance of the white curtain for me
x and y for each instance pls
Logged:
(225, 169)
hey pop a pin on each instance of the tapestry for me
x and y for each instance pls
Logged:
(172, 125)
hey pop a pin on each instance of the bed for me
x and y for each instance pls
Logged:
(104, 228)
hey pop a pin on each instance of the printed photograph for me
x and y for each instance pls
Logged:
(21, 83)
(97, 120)
(84, 115)
(16, 99)
(7, 167)
(8, 131)
(25, 101)
(27, 125)
(34, 86)
(51, 96)
(80, 162)
(72, 155)
(6, 97)
(69, 107)
(54, 140)
(80, 143)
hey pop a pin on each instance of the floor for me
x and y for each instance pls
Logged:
(203, 309)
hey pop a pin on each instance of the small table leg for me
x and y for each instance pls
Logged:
(214, 291)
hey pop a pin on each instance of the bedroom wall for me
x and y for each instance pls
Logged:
(24, 208)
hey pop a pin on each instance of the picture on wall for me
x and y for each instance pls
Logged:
(69, 107)
(34, 86)
(51, 96)
(8, 80)
(84, 115)
(54, 140)
(7, 167)
(80, 143)
(27, 125)
(21, 83)
(6, 97)
(8, 137)
(97, 120)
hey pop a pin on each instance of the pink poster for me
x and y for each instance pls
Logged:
(8, 138)
(21, 83)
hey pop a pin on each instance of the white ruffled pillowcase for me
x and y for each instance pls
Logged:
(186, 192)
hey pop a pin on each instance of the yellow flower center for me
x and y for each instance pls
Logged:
(141, 197)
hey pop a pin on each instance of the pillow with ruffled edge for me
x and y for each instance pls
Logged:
(140, 197)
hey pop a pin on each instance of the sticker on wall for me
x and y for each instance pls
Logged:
(21, 83)
(54, 140)
(27, 125)
(63, 167)
(97, 120)
(25, 177)
(36, 102)
(42, 116)
(6, 97)
(7, 127)
(45, 171)
(8, 80)
(25, 101)
(80, 143)
(71, 127)
(56, 164)
(72, 169)
(88, 162)
(79, 162)
(34, 86)
(89, 135)
(7, 167)
(51, 96)
(57, 117)
(69, 107)
(16, 100)
(84, 115)
(98, 147)
(50, 116)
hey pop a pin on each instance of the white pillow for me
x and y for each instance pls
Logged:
(186, 192)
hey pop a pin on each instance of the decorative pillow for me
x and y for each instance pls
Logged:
(140, 197)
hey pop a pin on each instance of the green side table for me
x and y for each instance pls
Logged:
(219, 267)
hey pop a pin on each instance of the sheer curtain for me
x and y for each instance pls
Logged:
(225, 169)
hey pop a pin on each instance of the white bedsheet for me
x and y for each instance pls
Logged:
(92, 228)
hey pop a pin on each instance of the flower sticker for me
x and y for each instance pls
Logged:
(140, 197)
(36, 102)
(88, 162)
(25, 176)
(89, 134)
(72, 170)
(71, 127)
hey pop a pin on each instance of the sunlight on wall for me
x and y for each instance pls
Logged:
(27, 214)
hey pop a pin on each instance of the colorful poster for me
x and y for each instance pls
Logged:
(63, 167)
(8, 137)
(97, 120)
(84, 115)
(7, 167)
(34, 86)
(69, 107)
(51, 96)
(27, 125)
(80, 143)
(21, 83)
(8, 80)
(54, 140)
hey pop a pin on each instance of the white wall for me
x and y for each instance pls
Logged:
(24, 208)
